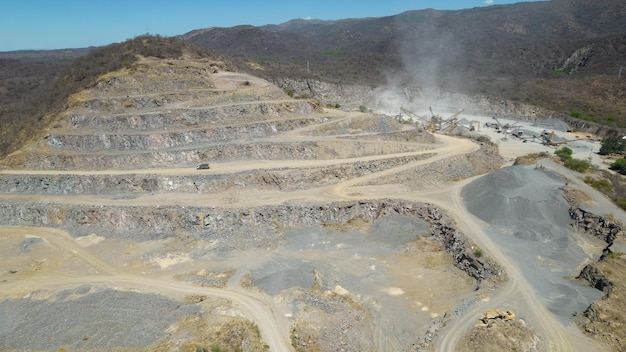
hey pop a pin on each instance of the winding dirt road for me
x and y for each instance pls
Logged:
(261, 308)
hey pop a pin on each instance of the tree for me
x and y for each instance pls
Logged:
(611, 145)
(619, 165)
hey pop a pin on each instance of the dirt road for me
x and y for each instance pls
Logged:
(260, 308)
(270, 320)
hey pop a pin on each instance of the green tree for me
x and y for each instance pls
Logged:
(611, 145)
(619, 165)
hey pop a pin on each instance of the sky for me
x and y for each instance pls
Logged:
(61, 24)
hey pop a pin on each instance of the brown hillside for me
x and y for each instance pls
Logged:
(516, 51)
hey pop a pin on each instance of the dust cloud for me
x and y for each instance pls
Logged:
(431, 62)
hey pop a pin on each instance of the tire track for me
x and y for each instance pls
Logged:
(261, 310)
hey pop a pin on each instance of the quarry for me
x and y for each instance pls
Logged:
(180, 206)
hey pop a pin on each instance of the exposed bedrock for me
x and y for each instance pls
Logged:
(178, 99)
(284, 179)
(353, 96)
(596, 278)
(601, 227)
(604, 318)
(596, 225)
(189, 156)
(187, 117)
(230, 229)
(98, 141)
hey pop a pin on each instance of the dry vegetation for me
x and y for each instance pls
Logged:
(515, 52)
(199, 334)
(31, 94)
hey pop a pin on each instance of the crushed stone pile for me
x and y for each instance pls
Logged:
(519, 197)
(125, 319)
(528, 215)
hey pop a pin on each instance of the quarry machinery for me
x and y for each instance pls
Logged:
(494, 314)
(429, 124)
(447, 125)
(497, 126)
(547, 138)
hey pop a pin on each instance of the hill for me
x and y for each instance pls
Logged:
(561, 55)
(304, 213)
(519, 52)
(35, 85)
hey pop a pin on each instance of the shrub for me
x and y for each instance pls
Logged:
(610, 119)
(615, 255)
(579, 165)
(564, 153)
(611, 145)
(602, 185)
(483, 139)
(362, 108)
(619, 165)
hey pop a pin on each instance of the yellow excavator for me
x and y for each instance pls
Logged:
(497, 314)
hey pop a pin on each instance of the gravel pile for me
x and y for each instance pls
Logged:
(125, 319)
(396, 231)
(529, 216)
(278, 275)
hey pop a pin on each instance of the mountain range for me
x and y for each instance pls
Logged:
(563, 55)
(519, 51)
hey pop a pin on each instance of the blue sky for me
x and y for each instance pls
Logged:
(58, 24)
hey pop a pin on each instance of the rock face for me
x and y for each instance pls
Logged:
(579, 59)
(595, 277)
(133, 185)
(604, 319)
(599, 226)
(389, 99)
(246, 228)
